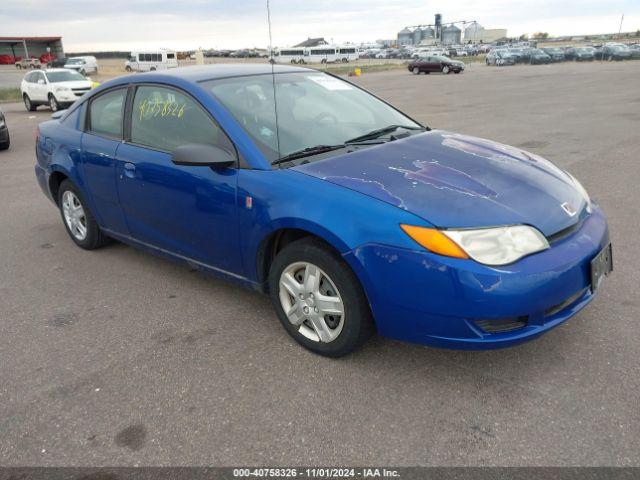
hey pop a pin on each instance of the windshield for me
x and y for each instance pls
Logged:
(312, 109)
(75, 61)
(65, 76)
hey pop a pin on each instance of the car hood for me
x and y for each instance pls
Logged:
(453, 180)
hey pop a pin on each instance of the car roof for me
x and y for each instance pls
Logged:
(201, 73)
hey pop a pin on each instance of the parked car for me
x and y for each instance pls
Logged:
(58, 62)
(5, 141)
(368, 222)
(634, 50)
(537, 57)
(613, 52)
(579, 54)
(500, 58)
(555, 53)
(435, 63)
(56, 87)
(82, 65)
(26, 63)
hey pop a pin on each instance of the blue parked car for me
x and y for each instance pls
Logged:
(351, 215)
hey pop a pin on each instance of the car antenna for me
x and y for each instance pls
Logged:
(273, 78)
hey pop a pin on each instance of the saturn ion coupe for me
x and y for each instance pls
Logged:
(352, 216)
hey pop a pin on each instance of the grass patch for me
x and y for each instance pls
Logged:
(365, 68)
(10, 95)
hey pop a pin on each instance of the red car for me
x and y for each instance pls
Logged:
(435, 63)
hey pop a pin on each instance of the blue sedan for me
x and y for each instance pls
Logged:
(352, 216)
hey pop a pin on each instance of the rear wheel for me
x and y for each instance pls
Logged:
(78, 219)
(446, 69)
(28, 104)
(318, 299)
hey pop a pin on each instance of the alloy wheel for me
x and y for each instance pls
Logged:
(311, 302)
(74, 215)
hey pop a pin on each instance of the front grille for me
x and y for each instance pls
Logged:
(80, 91)
(561, 306)
(501, 325)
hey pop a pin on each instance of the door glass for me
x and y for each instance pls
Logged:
(106, 112)
(163, 118)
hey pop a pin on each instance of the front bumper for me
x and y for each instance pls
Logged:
(421, 297)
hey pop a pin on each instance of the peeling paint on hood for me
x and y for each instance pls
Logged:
(454, 180)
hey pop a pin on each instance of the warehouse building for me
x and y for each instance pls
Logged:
(476, 33)
(33, 47)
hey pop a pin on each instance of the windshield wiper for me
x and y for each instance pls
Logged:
(381, 131)
(305, 152)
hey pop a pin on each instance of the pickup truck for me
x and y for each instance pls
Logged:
(28, 63)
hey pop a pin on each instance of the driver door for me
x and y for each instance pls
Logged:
(189, 211)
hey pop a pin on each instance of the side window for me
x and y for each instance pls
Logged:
(141, 57)
(29, 77)
(163, 118)
(147, 57)
(171, 56)
(106, 112)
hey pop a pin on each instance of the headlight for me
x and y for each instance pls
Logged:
(582, 190)
(62, 89)
(490, 246)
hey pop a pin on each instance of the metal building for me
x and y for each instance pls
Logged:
(417, 36)
(451, 35)
(405, 37)
(33, 47)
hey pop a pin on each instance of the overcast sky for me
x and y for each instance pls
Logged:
(188, 24)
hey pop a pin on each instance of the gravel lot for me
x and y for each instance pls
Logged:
(117, 357)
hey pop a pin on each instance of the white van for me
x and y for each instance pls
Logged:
(83, 65)
(321, 54)
(289, 55)
(348, 53)
(151, 60)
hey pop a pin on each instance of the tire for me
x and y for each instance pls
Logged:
(487, 62)
(323, 61)
(457, 71)
(446, 70)
(342, 333)
(28, 104)
(128, 69)
(93, 237)
(53, 103)
(416, 71)
(5, 145)
(152, 69)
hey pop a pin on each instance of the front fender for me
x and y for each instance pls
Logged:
(269, 201)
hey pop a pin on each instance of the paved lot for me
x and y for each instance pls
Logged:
(116, 357)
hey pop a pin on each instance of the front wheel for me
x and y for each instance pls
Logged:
(53, 103)
(78, 219)
(416, 71)
(318, 299)
(128, 68)
(28, 104)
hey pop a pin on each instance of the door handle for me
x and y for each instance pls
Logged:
(129, 170)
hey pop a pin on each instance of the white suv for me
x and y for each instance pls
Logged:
(56, 87)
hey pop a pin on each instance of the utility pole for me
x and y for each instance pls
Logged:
(620, 29)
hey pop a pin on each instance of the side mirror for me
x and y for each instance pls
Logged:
(41, 82)
(197, 154)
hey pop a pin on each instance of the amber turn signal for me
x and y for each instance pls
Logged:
(434, 241)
